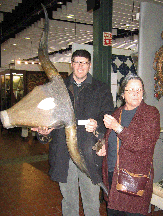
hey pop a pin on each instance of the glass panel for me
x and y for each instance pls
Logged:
(2, 81)
(5, 92)
(9, 98)
(8, 92)
(18, 87)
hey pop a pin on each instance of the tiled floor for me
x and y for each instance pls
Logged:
(25, 187)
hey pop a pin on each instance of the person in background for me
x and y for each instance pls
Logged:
(91, 99)
(138, 132)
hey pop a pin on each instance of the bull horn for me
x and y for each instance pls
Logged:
(46, 64)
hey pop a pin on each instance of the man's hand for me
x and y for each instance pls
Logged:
(91, 126)
(43, 130)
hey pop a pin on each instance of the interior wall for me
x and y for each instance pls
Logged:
(151, 26)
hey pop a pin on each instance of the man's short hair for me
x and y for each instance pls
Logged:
(81, 53)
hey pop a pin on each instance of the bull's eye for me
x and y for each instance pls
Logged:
(47, 104)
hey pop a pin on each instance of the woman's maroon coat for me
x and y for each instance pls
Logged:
(135, 155)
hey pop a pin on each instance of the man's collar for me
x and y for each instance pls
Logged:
(87, 80)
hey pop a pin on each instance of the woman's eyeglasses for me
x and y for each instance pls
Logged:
(131, 90)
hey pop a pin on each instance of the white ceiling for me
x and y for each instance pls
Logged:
(62, 34)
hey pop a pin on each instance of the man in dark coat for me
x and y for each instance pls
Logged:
(91, 99)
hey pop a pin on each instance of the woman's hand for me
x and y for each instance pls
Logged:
(91, 126)
(43, 130)
(110, 122)
(101, 152)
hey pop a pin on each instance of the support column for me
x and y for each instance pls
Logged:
(102, 22)
(0, 49)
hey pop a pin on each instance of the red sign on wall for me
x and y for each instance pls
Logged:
(107, 38)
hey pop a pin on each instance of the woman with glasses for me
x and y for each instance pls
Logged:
(138, 132)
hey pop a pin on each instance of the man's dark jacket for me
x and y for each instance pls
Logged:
(93, 101)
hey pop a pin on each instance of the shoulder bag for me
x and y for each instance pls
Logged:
(128, 182)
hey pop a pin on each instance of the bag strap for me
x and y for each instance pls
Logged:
(118, 151)
(118, 144)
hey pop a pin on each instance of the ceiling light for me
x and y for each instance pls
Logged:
(129, 46)
(71, 16)
(27, 38)
(14, 44)
(137, 16)
(121, 45)
(70, 43)
(60, 2)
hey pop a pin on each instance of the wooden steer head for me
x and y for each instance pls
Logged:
(48, 105)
